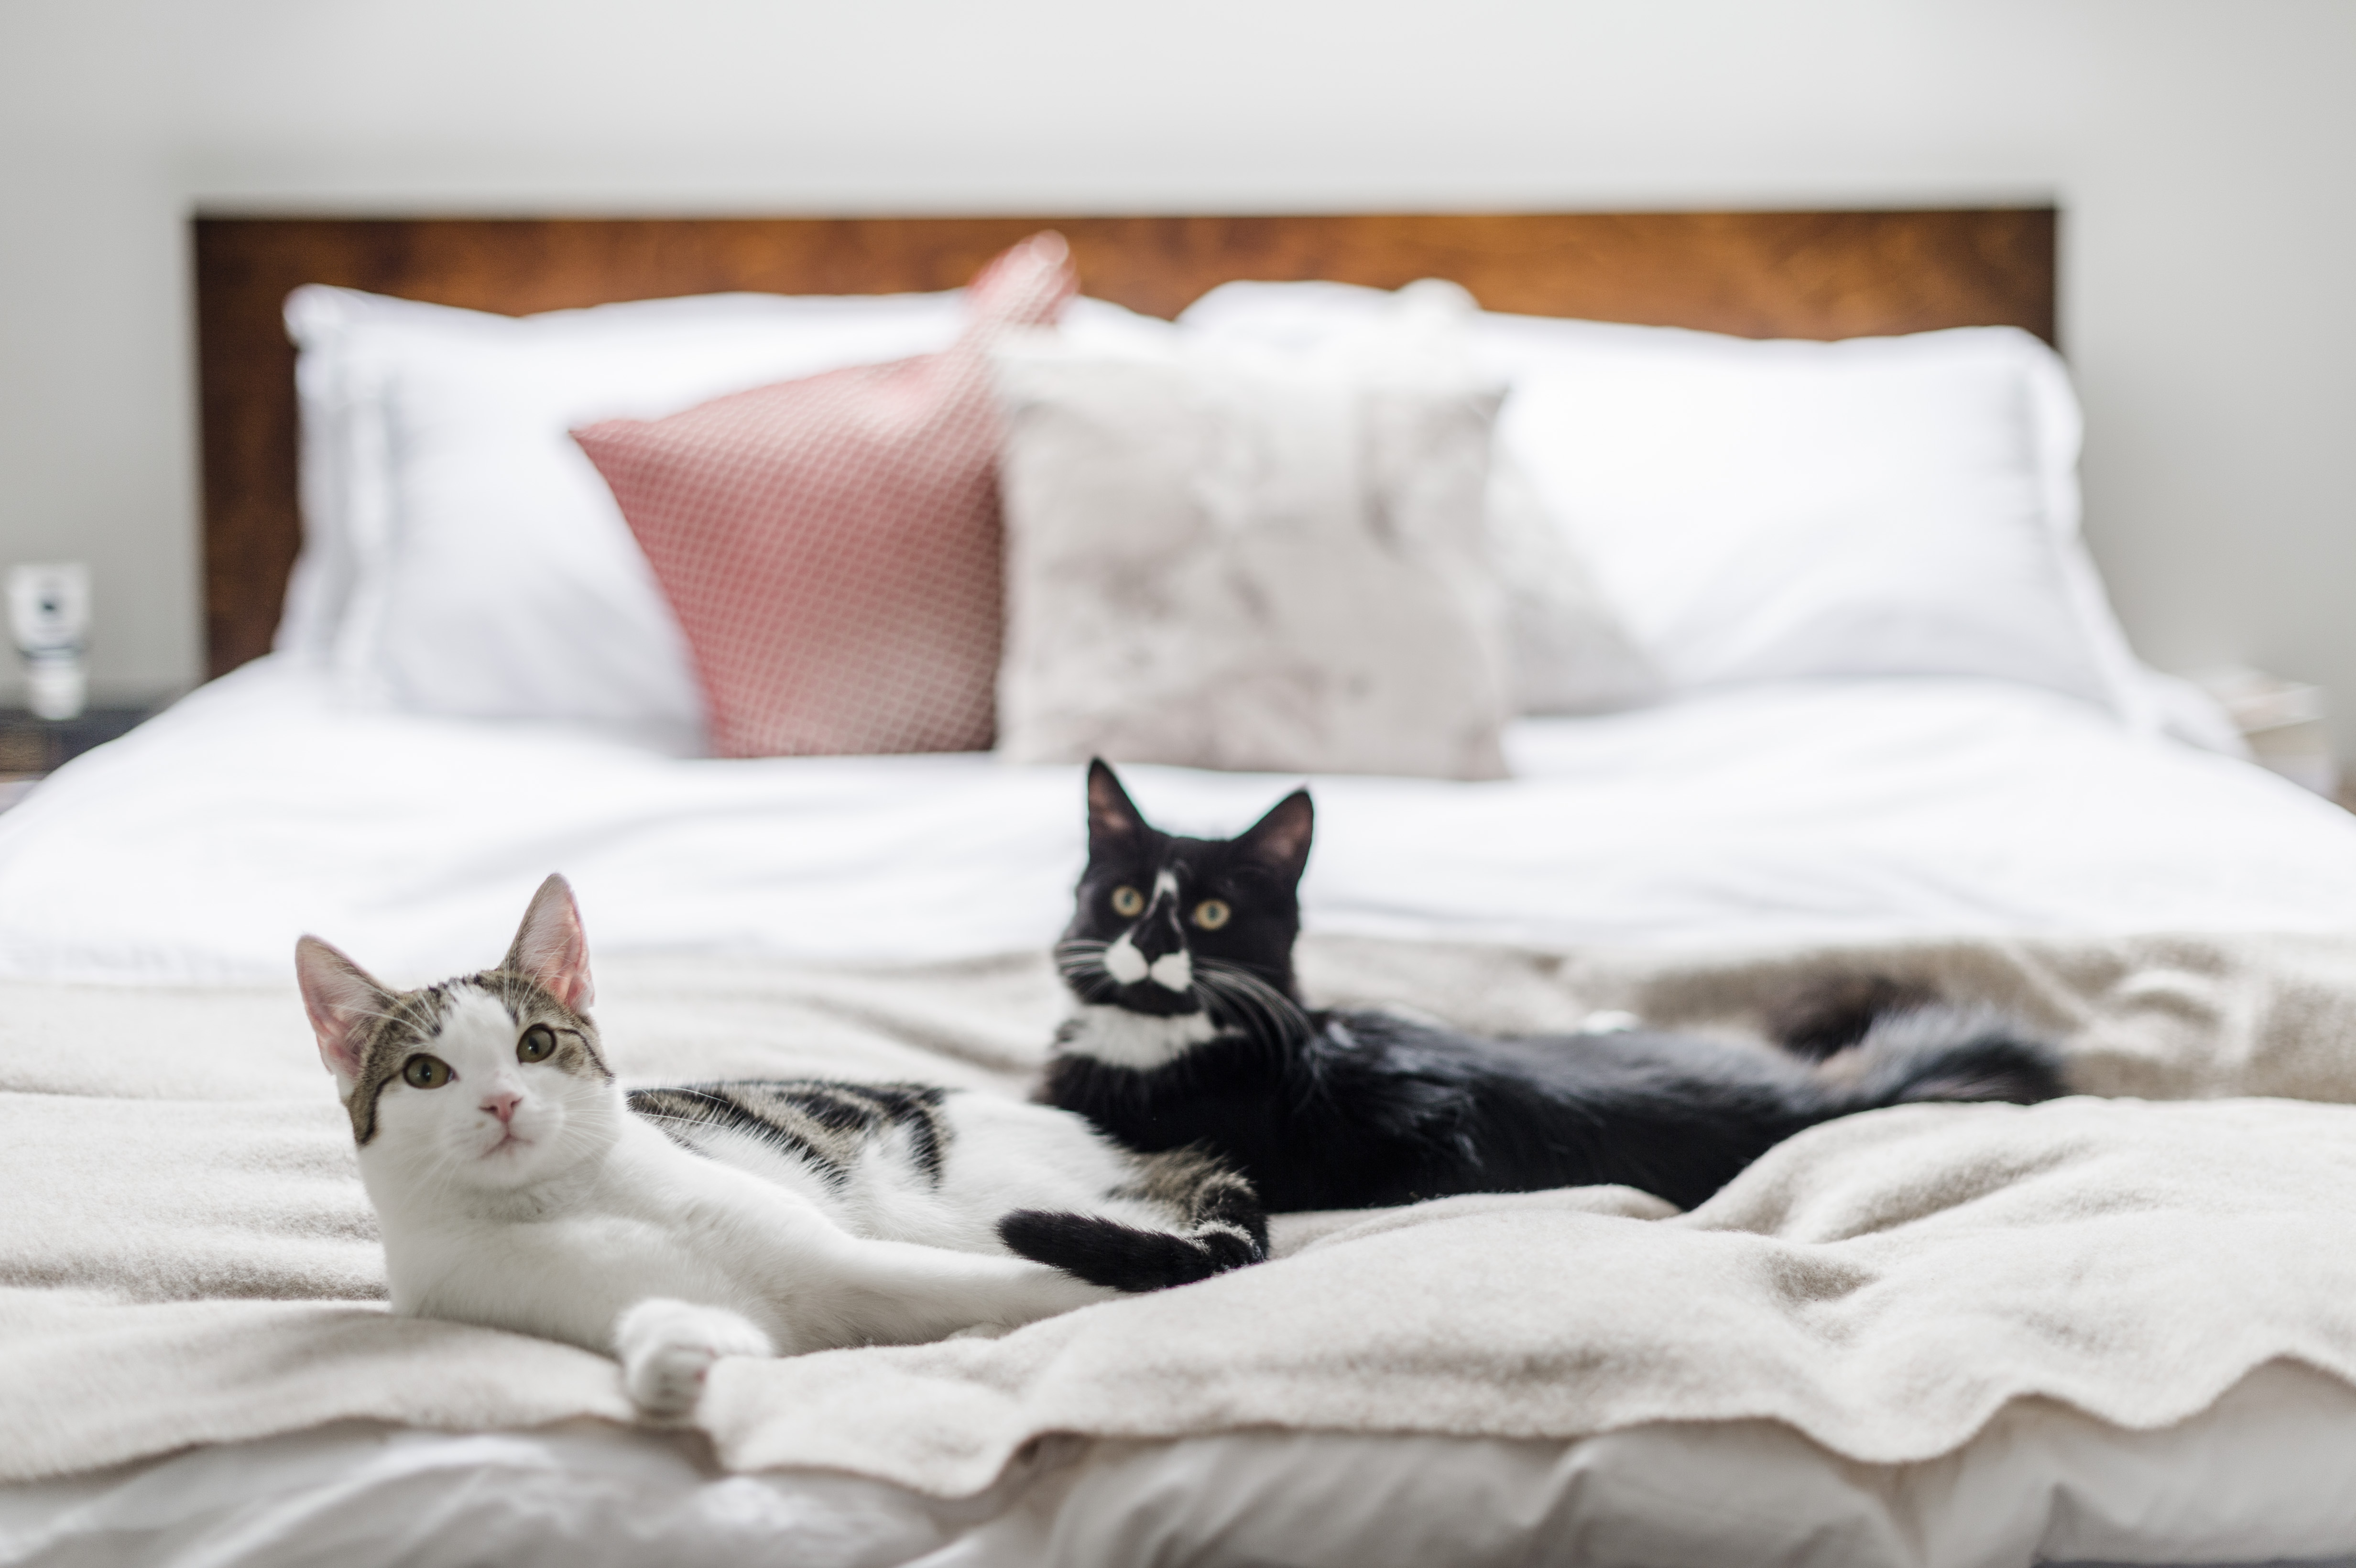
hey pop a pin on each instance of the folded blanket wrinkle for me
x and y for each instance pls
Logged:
(189, 1258)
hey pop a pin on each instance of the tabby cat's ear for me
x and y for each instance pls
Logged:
(1280, 840)
(552, 949)
(342, 999)
(1112, 819)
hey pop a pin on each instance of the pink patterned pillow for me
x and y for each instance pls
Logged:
(832, 545)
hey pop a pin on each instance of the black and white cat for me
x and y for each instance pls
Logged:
(1190, 1033)
(518, 1187)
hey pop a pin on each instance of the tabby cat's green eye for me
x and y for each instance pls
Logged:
(537, 1044)
(421, 1072)
(1128, 902)
(1212, 913)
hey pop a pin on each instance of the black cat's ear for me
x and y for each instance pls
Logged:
(1280, 839)
(1111, 816)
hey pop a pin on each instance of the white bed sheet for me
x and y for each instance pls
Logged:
(2258, 1477)
(199, 847)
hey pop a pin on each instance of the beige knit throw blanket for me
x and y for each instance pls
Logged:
(185, 1255)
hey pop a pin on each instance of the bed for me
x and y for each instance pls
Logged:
(2119, 1328)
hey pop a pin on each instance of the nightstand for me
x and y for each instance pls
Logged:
(30, 747)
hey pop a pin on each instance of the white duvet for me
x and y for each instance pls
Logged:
(196, 849)
(199, 847)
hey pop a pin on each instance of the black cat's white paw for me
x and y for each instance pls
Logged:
(667, 1349)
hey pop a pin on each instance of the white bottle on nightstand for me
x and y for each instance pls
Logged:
(49, 615)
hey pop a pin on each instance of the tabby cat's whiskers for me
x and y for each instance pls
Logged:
(515, 1188)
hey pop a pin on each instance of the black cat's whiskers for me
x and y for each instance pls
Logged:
(1235, 997)
(1080, 961)
(1355, 1107)
(1077, 953)
(1239, 999)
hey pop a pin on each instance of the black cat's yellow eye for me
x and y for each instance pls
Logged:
(422, 1071)
(537, 1044)
(1212, 913)
(1128, 902)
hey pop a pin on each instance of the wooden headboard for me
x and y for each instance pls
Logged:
(1759, 274)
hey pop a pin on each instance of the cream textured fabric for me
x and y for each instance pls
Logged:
(831, 545)
(187, 1256)
(1568, 648)
(1238, 559)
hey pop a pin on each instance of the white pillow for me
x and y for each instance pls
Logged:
(1769, 510)
(1567, 647)
(1237, 558)
(460, 555)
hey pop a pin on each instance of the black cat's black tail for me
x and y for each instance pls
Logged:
(1127, 1257)
(1819, 1015)
(1941, 1051)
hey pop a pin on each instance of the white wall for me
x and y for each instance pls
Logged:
(2204, 155)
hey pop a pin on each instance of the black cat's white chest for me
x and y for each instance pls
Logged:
(1138, 1041)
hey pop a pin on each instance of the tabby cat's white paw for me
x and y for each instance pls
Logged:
(667, 1349)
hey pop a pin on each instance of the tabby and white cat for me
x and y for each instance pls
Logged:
(518, 1187)
(1190, 1033)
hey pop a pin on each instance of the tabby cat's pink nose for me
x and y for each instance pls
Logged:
(502, 1104)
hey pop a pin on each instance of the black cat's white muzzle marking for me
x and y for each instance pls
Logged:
(1127, 966)
(1173, 969)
